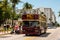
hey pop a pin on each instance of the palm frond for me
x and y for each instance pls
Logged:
(27, 6)
(15, 1)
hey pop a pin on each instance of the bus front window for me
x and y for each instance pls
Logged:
(30, 23)
(34, 23)
(26, 23)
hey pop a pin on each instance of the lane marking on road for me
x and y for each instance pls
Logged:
(29, 38)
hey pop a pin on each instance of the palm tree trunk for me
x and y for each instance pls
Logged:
(13, 13)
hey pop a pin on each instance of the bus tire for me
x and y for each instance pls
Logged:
(39, 33)
(44, 31)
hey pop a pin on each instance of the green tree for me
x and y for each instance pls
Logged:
(59, 13)
(5, 11)
(27, 6)
(42, 12)
(1, 12)
(16, 17)
(1, 16)
(14, 3)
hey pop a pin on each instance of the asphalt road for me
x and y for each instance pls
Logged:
(52, 34)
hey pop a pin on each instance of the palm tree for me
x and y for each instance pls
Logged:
(59, 13)
(42, 12)
(27, 6)
(14, 2)
(4, 8)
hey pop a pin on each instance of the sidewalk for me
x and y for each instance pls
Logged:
(4, 33)
(12, 37)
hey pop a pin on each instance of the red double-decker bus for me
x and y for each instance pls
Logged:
(34, 24)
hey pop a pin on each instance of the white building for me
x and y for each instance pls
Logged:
(49, 14)
(53, 18)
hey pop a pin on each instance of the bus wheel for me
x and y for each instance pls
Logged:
(39, 33)
(44, 31)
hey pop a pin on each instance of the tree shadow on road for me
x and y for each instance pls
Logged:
(45, 35)
(52, 27)
(42, 35)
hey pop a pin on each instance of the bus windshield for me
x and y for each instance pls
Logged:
(30, 23)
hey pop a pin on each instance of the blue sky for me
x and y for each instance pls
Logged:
(54, 4)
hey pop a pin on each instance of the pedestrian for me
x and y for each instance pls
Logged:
(13, 31)
(17, 31)
(5, 28)
(20, 27)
